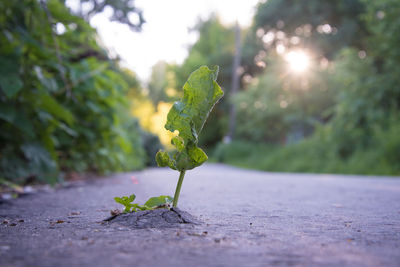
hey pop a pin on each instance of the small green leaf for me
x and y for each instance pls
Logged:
(132, 198)
(163, 160)
(126, 201)
(50, 104)
(10, 84)
(154, 202)
(119, 200)
(197, 155)
(17, 117)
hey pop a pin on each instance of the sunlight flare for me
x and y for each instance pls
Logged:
(298, 61)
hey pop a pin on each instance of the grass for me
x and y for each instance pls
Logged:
(309, 156)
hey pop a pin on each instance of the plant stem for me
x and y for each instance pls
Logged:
(178, 188)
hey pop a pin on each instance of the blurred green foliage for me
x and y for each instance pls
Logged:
(65, 105)
(317, 154)
(277, 104)
(305, 20)
(215, 46)
(341, 116)
(63, 101)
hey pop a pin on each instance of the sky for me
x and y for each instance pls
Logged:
(166, 35)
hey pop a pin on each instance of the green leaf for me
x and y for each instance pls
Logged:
(119, 200)
(8, 112)
(10, 84)
(154, 202)
(18, 118)
(200, 93)
(126, 201)
(39, 161)
(190, 158)
(131, 198)
(49, 104)
(163, 160)
(197, 155)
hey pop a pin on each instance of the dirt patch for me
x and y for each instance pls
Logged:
(158, 218)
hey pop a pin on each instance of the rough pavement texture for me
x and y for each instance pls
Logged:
(158, 218)
(250, 218)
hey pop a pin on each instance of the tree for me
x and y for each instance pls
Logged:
(282, 107)
(323, 27)
(369, 95)
(62, 99)
(123, 11)
(162, 84)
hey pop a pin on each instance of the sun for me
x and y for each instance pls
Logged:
(298, 61)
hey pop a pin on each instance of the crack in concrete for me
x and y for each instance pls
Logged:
(180, 216)
(158, 218)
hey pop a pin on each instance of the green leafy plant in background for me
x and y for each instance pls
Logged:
(188, 116)
(63, 100)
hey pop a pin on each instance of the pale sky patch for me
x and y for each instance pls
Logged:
(166, 34)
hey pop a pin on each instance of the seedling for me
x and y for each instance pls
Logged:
(151, 204)
(187, 116)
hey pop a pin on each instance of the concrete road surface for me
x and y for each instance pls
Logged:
(250, 218)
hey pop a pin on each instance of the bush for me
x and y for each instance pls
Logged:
(152, 145)
(63, 103)
(318, 154)
(279, 108)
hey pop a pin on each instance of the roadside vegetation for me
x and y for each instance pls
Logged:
(341, 115)
(64, 102)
